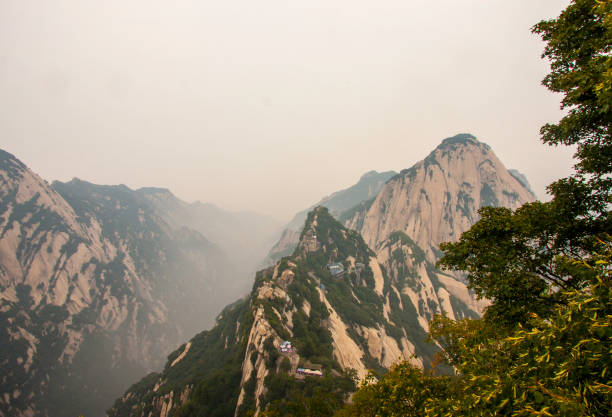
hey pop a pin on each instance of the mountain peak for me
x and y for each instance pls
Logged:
(308, 239)
(10, 164)
(459, 139)
(154, 191)
(320, 219)
(368, 186)
(4, 155)
(368, 175)
(438, 198)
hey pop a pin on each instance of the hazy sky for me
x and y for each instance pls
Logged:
(269, 105)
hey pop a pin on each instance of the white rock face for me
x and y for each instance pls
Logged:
(435, 201)
(260, 331)
(438, 198)
(346, 351)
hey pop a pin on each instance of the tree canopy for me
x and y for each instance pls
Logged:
(578, 48)
(519, 259)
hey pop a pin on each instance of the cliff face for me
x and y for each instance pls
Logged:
(438, 198)
(95, 288)
(342, 311)
(435, 201)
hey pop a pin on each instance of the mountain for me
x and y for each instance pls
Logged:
(365, 189)
(438, 198)
(342, 312)
(246, 233)
(433, 201)
(520, 177)
(184, 265)
(97, 284)
(344, 306)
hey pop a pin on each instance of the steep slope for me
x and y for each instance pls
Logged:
(185, 268)
(520, 177)
(94, 289)
(438, 198)
(246, 233)
(342, 312)
(366, 188)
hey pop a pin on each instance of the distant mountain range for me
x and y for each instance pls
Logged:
(352, 295)
(337, 203)
(98, 283)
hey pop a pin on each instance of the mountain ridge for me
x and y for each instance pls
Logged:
(342, 323)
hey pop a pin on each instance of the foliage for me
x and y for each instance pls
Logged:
(403, 391)
(513, 259)
(313, 396)
(578, 48)
(558, 366)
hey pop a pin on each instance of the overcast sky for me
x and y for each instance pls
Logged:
(269, 105)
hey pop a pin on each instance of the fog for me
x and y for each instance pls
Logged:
(269, 105)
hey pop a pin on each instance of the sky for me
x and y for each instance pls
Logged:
(269, 105)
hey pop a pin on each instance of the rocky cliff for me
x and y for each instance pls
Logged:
(438, 198)
(95, 288)
(342, 312)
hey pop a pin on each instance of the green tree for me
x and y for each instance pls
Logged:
(519, 259)
(555, 366)
(404, 391)
(578, 46)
